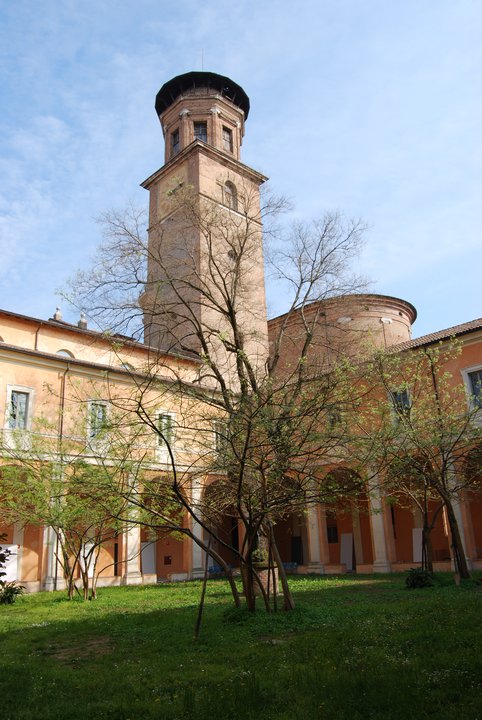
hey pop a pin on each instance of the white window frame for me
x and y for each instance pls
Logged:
(11, 433)
(395, 407)
(26, 391)
(162, 451)
(218, 426)
(468, 386)
(95, 439)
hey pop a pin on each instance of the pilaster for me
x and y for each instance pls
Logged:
(315, 564)
(198, 554)
(53, 568)
(381, 561)
(18, 541)
(132, 545)
(323, 537)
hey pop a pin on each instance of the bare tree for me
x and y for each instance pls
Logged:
(199, 277)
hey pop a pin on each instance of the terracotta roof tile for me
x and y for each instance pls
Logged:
(454, 331)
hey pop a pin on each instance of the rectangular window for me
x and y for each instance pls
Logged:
(201, 131)
(475, 381)
(18, 410)
(175, 142)
(332, 533)
(401, 403)
(227, 139)
(334, 418)
(165, 425)
(220, 439)
(97, 419)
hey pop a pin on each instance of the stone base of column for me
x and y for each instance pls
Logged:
(316, 568)
(48, 584)
(132, 578)
(197, 573)
(380, 566)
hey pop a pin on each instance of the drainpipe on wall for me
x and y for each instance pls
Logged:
(59, 450)
(35, 347)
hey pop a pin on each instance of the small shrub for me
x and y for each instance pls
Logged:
(9, 591)
(418, 578)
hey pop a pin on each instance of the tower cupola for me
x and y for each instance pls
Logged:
(204, 107)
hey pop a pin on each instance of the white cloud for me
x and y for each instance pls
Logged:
(366, 107)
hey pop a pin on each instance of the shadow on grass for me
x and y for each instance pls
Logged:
(131, 654)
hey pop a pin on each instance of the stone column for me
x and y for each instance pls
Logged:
(315, 564)
(49, 548)
(323, 537)
(198, 559)
(468, 526)
(132, 555)
(18, 541)
(357, 536)
(381, 562)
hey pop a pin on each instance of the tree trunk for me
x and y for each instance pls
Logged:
(457, 545)
(197, 627)
(222, 563)
(289, 603)
(232, 585)
(248, 584)
(427, 550)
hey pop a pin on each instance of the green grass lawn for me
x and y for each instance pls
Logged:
(355, 647)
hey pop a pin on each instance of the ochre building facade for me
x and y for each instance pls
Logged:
(55, 371)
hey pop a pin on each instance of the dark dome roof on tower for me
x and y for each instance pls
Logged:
(171, 90)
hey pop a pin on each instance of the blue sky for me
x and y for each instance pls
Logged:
(373, 108)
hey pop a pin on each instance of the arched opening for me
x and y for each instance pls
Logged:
(65, 353)
(220, 515)
(292, 540)
(163, 555)
(414, 505)
(347, 521)
(164, 551)
(25, 541)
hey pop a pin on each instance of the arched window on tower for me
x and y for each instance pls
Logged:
(230, 196)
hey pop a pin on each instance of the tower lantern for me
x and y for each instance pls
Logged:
(202, 106)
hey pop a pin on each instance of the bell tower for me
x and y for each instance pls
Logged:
(205, 279)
